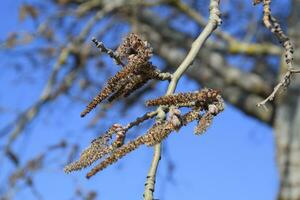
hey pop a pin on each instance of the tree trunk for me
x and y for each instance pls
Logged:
(287, 122)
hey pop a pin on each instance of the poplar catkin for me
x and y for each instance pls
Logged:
(134, 55)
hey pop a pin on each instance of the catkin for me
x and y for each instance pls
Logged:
(98, 148)
(117, 154)
(137, 71)
(201, 98)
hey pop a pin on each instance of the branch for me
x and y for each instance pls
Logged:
(233, 46)
(214, 21)
(273, 25)
(284, 82)
(214, 73)
(47, 95)
(109, 52)
(160, 34)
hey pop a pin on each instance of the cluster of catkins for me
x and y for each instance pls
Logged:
(204, 105)
(133, 55)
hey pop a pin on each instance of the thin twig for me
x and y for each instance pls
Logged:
(109, 52)
(141, 119)
(47, 95)
(283, 83)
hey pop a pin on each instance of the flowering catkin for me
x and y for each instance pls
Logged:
(206, 119)
(134, 49)
(158, 132)
(205, 105)
(99, 148)
(199, 98)
(134, 55)
(94, 152)
(116, 155)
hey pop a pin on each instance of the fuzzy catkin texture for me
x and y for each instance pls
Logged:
(207, 101)
(115, 156)
(175, 118)
(158, 132)
(190, 116)
(98, 148)
(138, 70)
(203, 123)
(113, 84)
(206, 120)
(161, 130)
(134, 49)
(199, 98)
(94, 152)
(120, 137)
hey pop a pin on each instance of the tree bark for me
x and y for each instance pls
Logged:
(287, 122)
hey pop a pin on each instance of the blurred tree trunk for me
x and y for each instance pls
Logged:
(287, 122)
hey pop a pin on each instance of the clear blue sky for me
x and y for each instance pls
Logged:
(234, 160)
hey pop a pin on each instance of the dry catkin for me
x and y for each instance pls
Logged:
(98, 148)
(134, 49)
(134, 55)
(117, 154)
(94, 152)
(136, 72)
(112, 85)
(138, 82)
(120, 137)
(175, 118)
(202, 97)
(203, 123)
(160, 130)
(156, 134)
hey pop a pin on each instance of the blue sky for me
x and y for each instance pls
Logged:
(234, 160)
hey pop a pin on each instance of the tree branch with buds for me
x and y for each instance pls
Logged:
(136, 70)
(214, 21)
(273, 25)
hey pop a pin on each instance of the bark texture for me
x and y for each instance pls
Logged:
(287, 122)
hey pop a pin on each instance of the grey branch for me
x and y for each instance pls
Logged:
(242, 89)
(214, 21)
